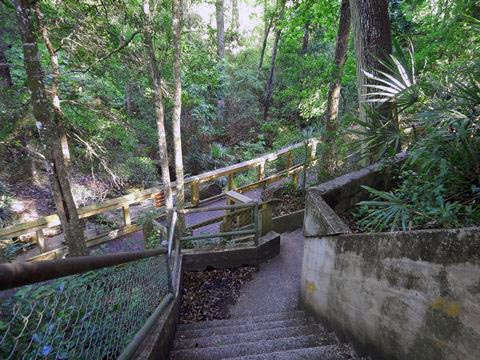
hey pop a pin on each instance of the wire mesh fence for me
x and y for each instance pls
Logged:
(87, 316)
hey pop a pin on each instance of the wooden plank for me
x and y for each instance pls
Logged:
(271, 179)
(213, 220)
(246, 164)
(215, 208)
(30, 226)
(236, 197)
(217, 235)
(112, 235)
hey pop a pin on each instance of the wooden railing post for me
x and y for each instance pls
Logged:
(257, 221)
(261, 171)
(312, 151)
(195, 192)
(41, 241)
(266, 214)
(230, 182)
(289, 160)
(295, 178)
(127, 220)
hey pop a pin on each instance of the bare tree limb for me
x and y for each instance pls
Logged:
(120, 48)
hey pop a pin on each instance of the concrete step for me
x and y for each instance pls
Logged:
(238, 329)
(242, 320)
(249, 348)
(329, 352)
(270, 334)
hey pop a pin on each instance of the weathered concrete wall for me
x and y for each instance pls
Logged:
(399, 295)
(289, 222)
(404, 295)
(343, 192)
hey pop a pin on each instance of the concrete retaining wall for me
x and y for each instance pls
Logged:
(199, 260)
(289, 222)
(402, 295)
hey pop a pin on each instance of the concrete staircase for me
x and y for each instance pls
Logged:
(280, 336)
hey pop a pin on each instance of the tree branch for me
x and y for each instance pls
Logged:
(120, 48)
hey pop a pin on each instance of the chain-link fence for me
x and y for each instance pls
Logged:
(86, 316)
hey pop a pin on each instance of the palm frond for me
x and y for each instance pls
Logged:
(397, 84)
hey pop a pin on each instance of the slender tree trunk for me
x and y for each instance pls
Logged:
(235, 16)
(341, 51)
(333, 102)
(271, 76)
(373, 43)
(5, 76)
(304, 50)
(266, 31)
(129, 103)
(48, 131)
(177, 109)
(219, 10)
(54, 92)
(306, 39)
(159, 106)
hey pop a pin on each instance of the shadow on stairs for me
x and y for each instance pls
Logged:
(280, 336)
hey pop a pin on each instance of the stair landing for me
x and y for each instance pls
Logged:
(266, 323)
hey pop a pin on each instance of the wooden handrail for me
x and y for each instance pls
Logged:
(124, 201)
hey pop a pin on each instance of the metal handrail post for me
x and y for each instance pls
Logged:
(171, 234)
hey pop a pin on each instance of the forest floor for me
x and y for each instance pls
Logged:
(209, 294)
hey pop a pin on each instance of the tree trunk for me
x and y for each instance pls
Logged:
(306, 38)
(235, 17)
(129, 103)
(219, 10)
(177, 109)
(341, 51)
(48, 131)
(373, 43)
(266, 31)
(159, 106)
(264, 45)
(271, 76)
(5, 76)
(54, 93)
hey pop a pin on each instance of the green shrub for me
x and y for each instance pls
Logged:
(439, 185)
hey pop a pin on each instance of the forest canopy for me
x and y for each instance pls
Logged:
(254, 76)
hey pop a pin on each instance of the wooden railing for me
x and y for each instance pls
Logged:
(123, 202)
